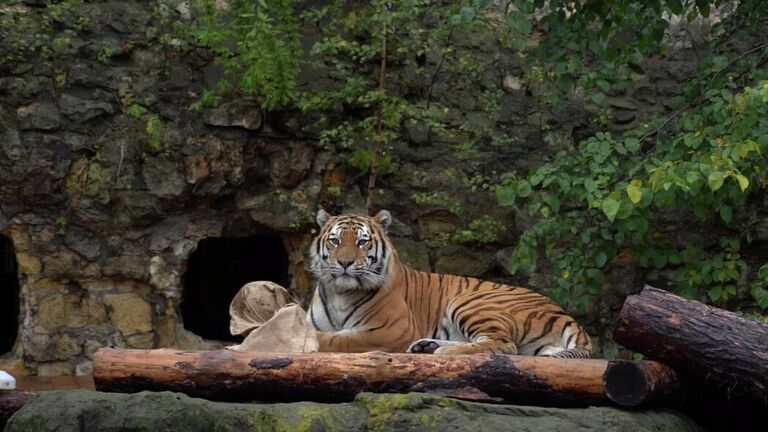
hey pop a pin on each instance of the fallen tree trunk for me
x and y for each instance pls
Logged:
(338, 377)
(716, 345)
(12, 401)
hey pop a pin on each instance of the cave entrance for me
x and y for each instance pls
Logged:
(218, 269)
(9, 295)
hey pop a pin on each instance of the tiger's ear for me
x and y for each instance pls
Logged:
(322, 217)
(384, 218)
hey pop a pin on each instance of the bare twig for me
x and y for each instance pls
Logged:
(701, 97)
(439, 68)
(379, 117)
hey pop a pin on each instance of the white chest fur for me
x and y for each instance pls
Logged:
(334, 312)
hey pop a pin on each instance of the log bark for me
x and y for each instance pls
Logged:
(716, 345)
(643, 383)
(338, 377)
(12, 401)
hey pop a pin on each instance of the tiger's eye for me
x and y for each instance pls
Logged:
(362, 242)
(334, 241)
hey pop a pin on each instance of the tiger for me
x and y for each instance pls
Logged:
(365, 299)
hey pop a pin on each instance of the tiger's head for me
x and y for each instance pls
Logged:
(352, 252)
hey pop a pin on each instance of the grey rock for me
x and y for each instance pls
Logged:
(82, 110)
(163, 177)
(290, 166)
(86, 75)
(39, 115)
(11, 144)
(85, 410)
(418, 132)
(463, 261)
(243, 113)
(84, 243)
(412, 253)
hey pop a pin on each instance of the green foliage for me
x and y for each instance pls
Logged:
(256, 43)
(485, 229)
(618, 196)
(357, 114)
(157, 133)
(362, 158)
(438, 199)
(26, 33)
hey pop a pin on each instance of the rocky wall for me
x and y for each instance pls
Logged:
(104, 203)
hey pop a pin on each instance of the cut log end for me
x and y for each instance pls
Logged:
(633, 384)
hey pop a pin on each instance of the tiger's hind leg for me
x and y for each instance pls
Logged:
(483, 344)
(560, 352)
(429, 346)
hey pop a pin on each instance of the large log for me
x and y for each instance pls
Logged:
(716, 345)
(12, 401)
(338, 377)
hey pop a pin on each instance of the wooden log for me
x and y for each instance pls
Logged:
(338, 377)
(640, 383)
(716, 345)
(12, 401)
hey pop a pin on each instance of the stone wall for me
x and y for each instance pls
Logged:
(104, 206)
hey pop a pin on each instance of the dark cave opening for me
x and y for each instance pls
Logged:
(9, 295)
(218, 269)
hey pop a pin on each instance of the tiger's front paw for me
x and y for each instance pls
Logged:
(424, 346)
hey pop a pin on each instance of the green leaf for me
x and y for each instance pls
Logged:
(761, 296)
(675, 6)
(715, 293)
(715, 180)
(743, 182)
(726, 213)
(590, 185)
(610, 207)
(635, 193)
(600, 259)
(505, 196)
(524, 189)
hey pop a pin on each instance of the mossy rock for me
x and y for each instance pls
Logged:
(82, 410)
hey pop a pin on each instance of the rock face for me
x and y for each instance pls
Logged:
(87, 411)
(108, 182)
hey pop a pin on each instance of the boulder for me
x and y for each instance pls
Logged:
(82, 110)
(242, 113)
(85, 410)
(41, 116)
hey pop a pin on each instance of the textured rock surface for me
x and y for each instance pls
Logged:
(108, 182)
(83, 410)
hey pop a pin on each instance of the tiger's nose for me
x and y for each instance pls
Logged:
(345, 263)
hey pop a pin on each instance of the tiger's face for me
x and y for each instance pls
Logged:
(351, 252)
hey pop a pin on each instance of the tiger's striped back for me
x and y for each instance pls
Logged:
(366, 299)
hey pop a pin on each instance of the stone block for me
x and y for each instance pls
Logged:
(458, 260)
(129, 313)
(28, 264)
(65, 348)
(40, 116)
(412, 253)
(55, 369)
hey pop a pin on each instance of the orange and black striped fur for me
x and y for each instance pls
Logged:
(365, 300)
